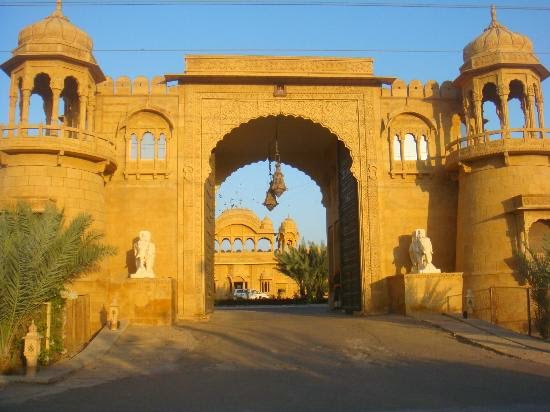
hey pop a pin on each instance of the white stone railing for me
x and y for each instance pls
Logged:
(517, 140)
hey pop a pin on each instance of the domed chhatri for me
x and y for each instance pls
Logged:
(496, 45)
(55, 34)
(288, 225)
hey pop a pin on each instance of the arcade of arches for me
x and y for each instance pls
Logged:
(389, 157)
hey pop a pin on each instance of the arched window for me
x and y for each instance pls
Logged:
(153, 136)
(409, 145)
(249, 245)
(396, 148)
(148, 146)
(237, 245)
(161, 147)
(216, 246)
(264, 245)
(423, 146)
(133, 147)
(226, 246)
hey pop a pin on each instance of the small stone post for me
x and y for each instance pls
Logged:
(32, 349)
(113, 316)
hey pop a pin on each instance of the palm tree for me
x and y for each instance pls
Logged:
(39, 254)
(308, 266)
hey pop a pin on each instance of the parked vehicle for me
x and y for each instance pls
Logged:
(250, 294)
(240, 293)
(255, 294)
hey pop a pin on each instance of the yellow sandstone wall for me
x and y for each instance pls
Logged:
(485, 196)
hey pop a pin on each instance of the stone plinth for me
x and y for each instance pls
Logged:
(145, 301)
(434, 292)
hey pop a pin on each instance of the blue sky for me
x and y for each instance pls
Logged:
(282, 30)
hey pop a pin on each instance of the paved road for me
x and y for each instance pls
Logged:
(292, 359)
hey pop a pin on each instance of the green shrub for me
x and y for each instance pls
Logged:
(534, 268)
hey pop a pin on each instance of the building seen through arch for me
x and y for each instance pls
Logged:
(245, 254)
(389, 158)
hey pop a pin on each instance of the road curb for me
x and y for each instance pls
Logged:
(464, 339)
(97, 347)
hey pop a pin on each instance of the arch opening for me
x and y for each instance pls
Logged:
(40, 105)
(517, 108)
(71, 103)
(491, 110)
(321, 155)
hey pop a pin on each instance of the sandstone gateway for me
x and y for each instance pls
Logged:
(389, 158)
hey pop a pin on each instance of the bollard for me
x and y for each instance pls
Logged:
(113, 316)
(32, 349)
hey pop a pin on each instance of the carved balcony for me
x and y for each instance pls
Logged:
(58, 140)
(497, 143)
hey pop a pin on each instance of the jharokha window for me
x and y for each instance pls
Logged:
(147, 145)
(409, 146)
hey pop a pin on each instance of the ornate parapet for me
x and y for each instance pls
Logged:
(58, 140)
(416, 89)
(497, 142)
(278, 66)
(139, 86)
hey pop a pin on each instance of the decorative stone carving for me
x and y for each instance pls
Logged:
(421, 253)
(32, 349)
(144, 251)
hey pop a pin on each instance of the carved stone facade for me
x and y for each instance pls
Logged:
(149, 154)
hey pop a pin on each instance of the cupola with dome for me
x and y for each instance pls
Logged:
(288, 235)
(55, 36)
(498, 45)
(54, 60)
(500, 66)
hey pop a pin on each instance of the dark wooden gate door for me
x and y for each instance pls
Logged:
(349, 234)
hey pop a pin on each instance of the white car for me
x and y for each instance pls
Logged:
(254, 294)
(249, 294)
(241, 293)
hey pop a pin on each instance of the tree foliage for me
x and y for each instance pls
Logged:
(308, 266)
(534, 267)
(39, 254)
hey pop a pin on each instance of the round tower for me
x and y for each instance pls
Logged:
(503, 171)
(288, 235)
(49, 149)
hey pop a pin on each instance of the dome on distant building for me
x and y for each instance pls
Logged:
(497, 45)
(55, 34)
(288, 225)
(267, 224)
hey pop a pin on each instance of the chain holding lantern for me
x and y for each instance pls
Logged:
(277, 184)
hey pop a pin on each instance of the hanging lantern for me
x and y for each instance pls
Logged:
(278, 186)
(270, 201)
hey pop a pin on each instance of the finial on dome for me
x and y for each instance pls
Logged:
(494, 22)
(58, 8)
